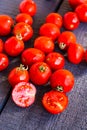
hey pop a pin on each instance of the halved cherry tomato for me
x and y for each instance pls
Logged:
(23, 94)
(1, 45)
(18, 74)
(55, 102)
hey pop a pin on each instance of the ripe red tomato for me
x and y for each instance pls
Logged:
(85, 56)
(75, 3)
(55, 18)
(55, 102)
(50, 30)
(23, 17)
(32, 55)
(4, 61)
(71, 21)
(62, 80)
(44, 43)
(55, 60)
(18, 74)
(75, 53)
(6, 23)
(23, 94)
(1, 46)
(65, 39)
(40, 73)
(23, 31)
(28, 6)
(81, 11)
(13, 46)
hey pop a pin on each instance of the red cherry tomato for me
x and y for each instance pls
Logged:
(4, 61)
(23, 30)
(18, 74)
(44, 43)
(32, 55)
(23, 17)
(50, 30)
(40, 73)
(13, 46)
(71, 21)
(62, 80)
(55, 60)
(65, 39)
(23, 94)
(75, 53)
(28, 6)
(1, 46)
(55, 18)
(55, 102)
(81, 11)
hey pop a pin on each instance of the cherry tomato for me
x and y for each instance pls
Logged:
(32, 55)
(75, 53)
(55, 102)
(1, 46)
(18, 74)
(23, 17)
(4, 61)
(65, 39)
(55, 60)
(28, 6)
(40, 73)
(55, 18)
(50, 30)
(44, 43)
(81, 11)
(71, 21)
(23, 30)
(62, 80)
(6, 23)
(13, 46)
(23, 94)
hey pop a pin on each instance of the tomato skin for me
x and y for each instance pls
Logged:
(77, 55)
(62, 79)
(18, 74)
(23, 94)
(55, 102)
(28, 6)
(6, 23)
(40, 73)
(23, 30)
(55, 60)
(44, 43)
(85, 56)
(32, 55)
(13, 46)
(4, 61)
(1, 46)
(71, 21)
(55, 18)
(50, 30)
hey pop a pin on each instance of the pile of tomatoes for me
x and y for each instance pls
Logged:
(41, 64)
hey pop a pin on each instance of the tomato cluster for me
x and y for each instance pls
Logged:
(41, 64)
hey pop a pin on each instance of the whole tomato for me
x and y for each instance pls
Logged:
(85, 56)
(28, 6)
(75, 53)
(40, 73)
(32, 55)
(55, 60)
(13, 46)
(50, 30)
(55, 18)
(6, 23)
(44, 43)
(70, 21)
(81, 11)
(18, 74)
(55, 102)
(4, 61)
(23, 94)
(23, 31)
(1, 45)
(62, 80)
(65, 39)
